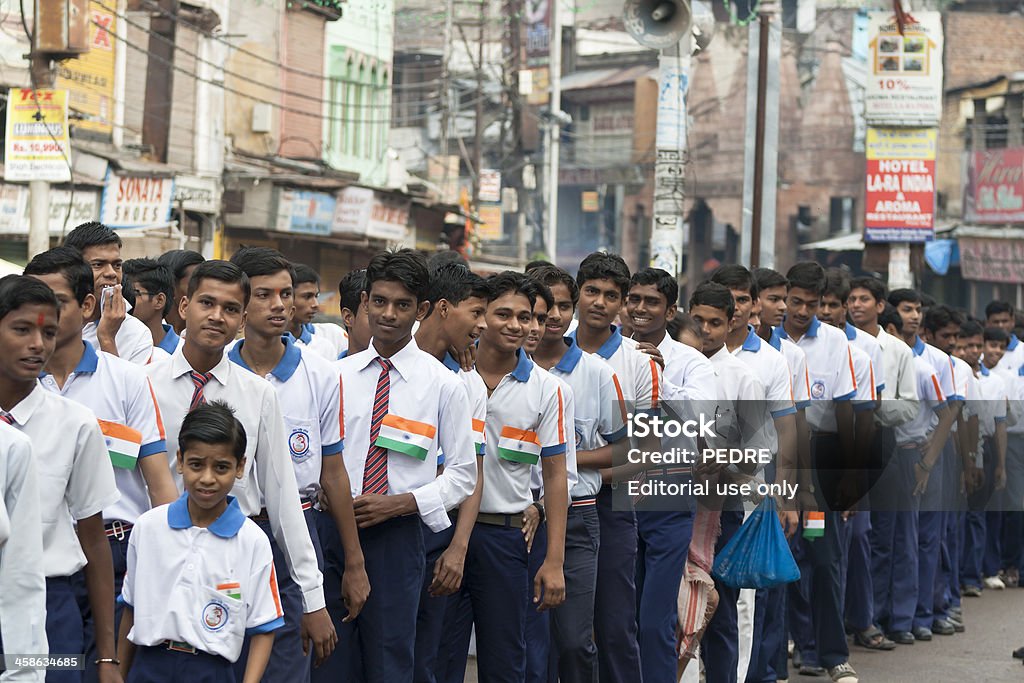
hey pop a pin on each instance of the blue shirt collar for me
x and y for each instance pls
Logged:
(87, 365)
(985, 372)
(571, 358)
(776, 339)
(523, 368)
(450, 362)
(343, 354)
(851, 331)
(812, 329)
(1013, 342)
(285, 367)
(918, 347)
(610, 346)
(752, 342)
(306, 333)
(170, 341)
(225, 526)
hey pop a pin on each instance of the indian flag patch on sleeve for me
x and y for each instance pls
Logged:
(123, 444)
(232, 590)
(406, 436)
(519, 445)
(478, 436)
(814, 525)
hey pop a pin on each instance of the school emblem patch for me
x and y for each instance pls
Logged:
(579, 437)
(215, 616)
(818, 390)
(298, 444)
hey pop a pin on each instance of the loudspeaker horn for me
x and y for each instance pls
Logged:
(657, 24)
(703, 26)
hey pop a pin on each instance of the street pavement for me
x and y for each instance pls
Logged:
(980, 655)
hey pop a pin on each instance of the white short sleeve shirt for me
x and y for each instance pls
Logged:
(326, 339)
(830, 371)
(134, 340)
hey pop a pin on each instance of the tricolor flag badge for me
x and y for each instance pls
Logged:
(232, 590)
(814, 525)
(123, 444)
(519, 445)
(478, 436)
(406, 436)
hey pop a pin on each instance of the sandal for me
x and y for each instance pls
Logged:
(873, 639)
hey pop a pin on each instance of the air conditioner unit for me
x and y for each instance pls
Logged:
(262, 118)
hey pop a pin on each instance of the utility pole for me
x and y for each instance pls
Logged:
(478, 137)
(554, 132)
(446, 93)
(43, 76)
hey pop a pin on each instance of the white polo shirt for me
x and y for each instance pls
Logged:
(639, 375)
(860, 339)
(477, 393)
(990, 406)
(167, 345)
(134, 340)
(525, 422)
(741, 414)
(598, 413)
(941, 365)
(118, 392)
(269, 479)
(963, 378)
(569, 418)
(326, 339)
(796, 359)
(22, 579)
(76, 479)
(772, 369)
(899, 397)
(864, 373)
(427, 407)
(1013, 359)
(309, 391)
(687, 370)
(830, 371)
(1015, 387)
(930, 399)
(208, 587)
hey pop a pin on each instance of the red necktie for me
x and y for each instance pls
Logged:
(6, 417)
(375, 473)
(199, 379)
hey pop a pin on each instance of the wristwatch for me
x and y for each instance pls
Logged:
(540, 509)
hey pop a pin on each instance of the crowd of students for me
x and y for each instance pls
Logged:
(199, 483)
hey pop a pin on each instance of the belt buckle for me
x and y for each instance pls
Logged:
(179, 646)
(117, 528)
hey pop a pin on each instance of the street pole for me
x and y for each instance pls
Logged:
(478, 129)
(762, 93)
(554, 132)
(43, 76)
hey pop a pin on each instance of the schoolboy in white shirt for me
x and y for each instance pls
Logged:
(326, 339)
(419, 407)
(200, 575)
(182, 263)
(77, 482)
(308, 389)
(111, 329)
(353, 314)
(149, 288)
(120, 395)
(201, 371)
(22, 579)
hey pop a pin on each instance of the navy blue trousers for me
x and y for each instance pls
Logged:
(119, 556)
(931, 528)
(160, 665)
(859, 597)
(538, 624)
(615, 608)
(720, 646)
(768, 655)
(430, 616)
(894, 544)
(573, 652)
(65, 632)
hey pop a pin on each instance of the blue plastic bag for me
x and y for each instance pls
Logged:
(758, 556)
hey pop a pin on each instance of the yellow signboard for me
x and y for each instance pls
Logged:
(89, 79)
(490, 228)
(37, 136)
(901, 143)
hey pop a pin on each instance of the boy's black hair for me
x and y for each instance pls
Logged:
(927, 300)
(766, 278)
(154, 276)
(511, 282)
(602, 266)
(807, 275)
(21, 290)
(222, 271)
(937, 317)
(91, 234)
(899, 296)
(212, 423)
(262, 261)
(455, 283)
(68, 262)
(714, 295)
(890, 316)
(874, 286)
(997, 334)
(837, 283)
(305, 275)
(666, 284)
(997, 307)
(179, 261)
(443, 258)
(405, 266)
(538, 263)
(971, 328)
(737, 277)
(351, 287)
(682, 321)
(541, 291)
(553, 275)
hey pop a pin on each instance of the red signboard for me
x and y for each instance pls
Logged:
(992, 260)
(994, 192)
(900, 200)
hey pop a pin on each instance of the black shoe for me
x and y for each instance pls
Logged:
(943, 627)
(1018, 653)
(798, 659)
(907, 638)
(922, 633)
(813, 671)
(958, 624)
